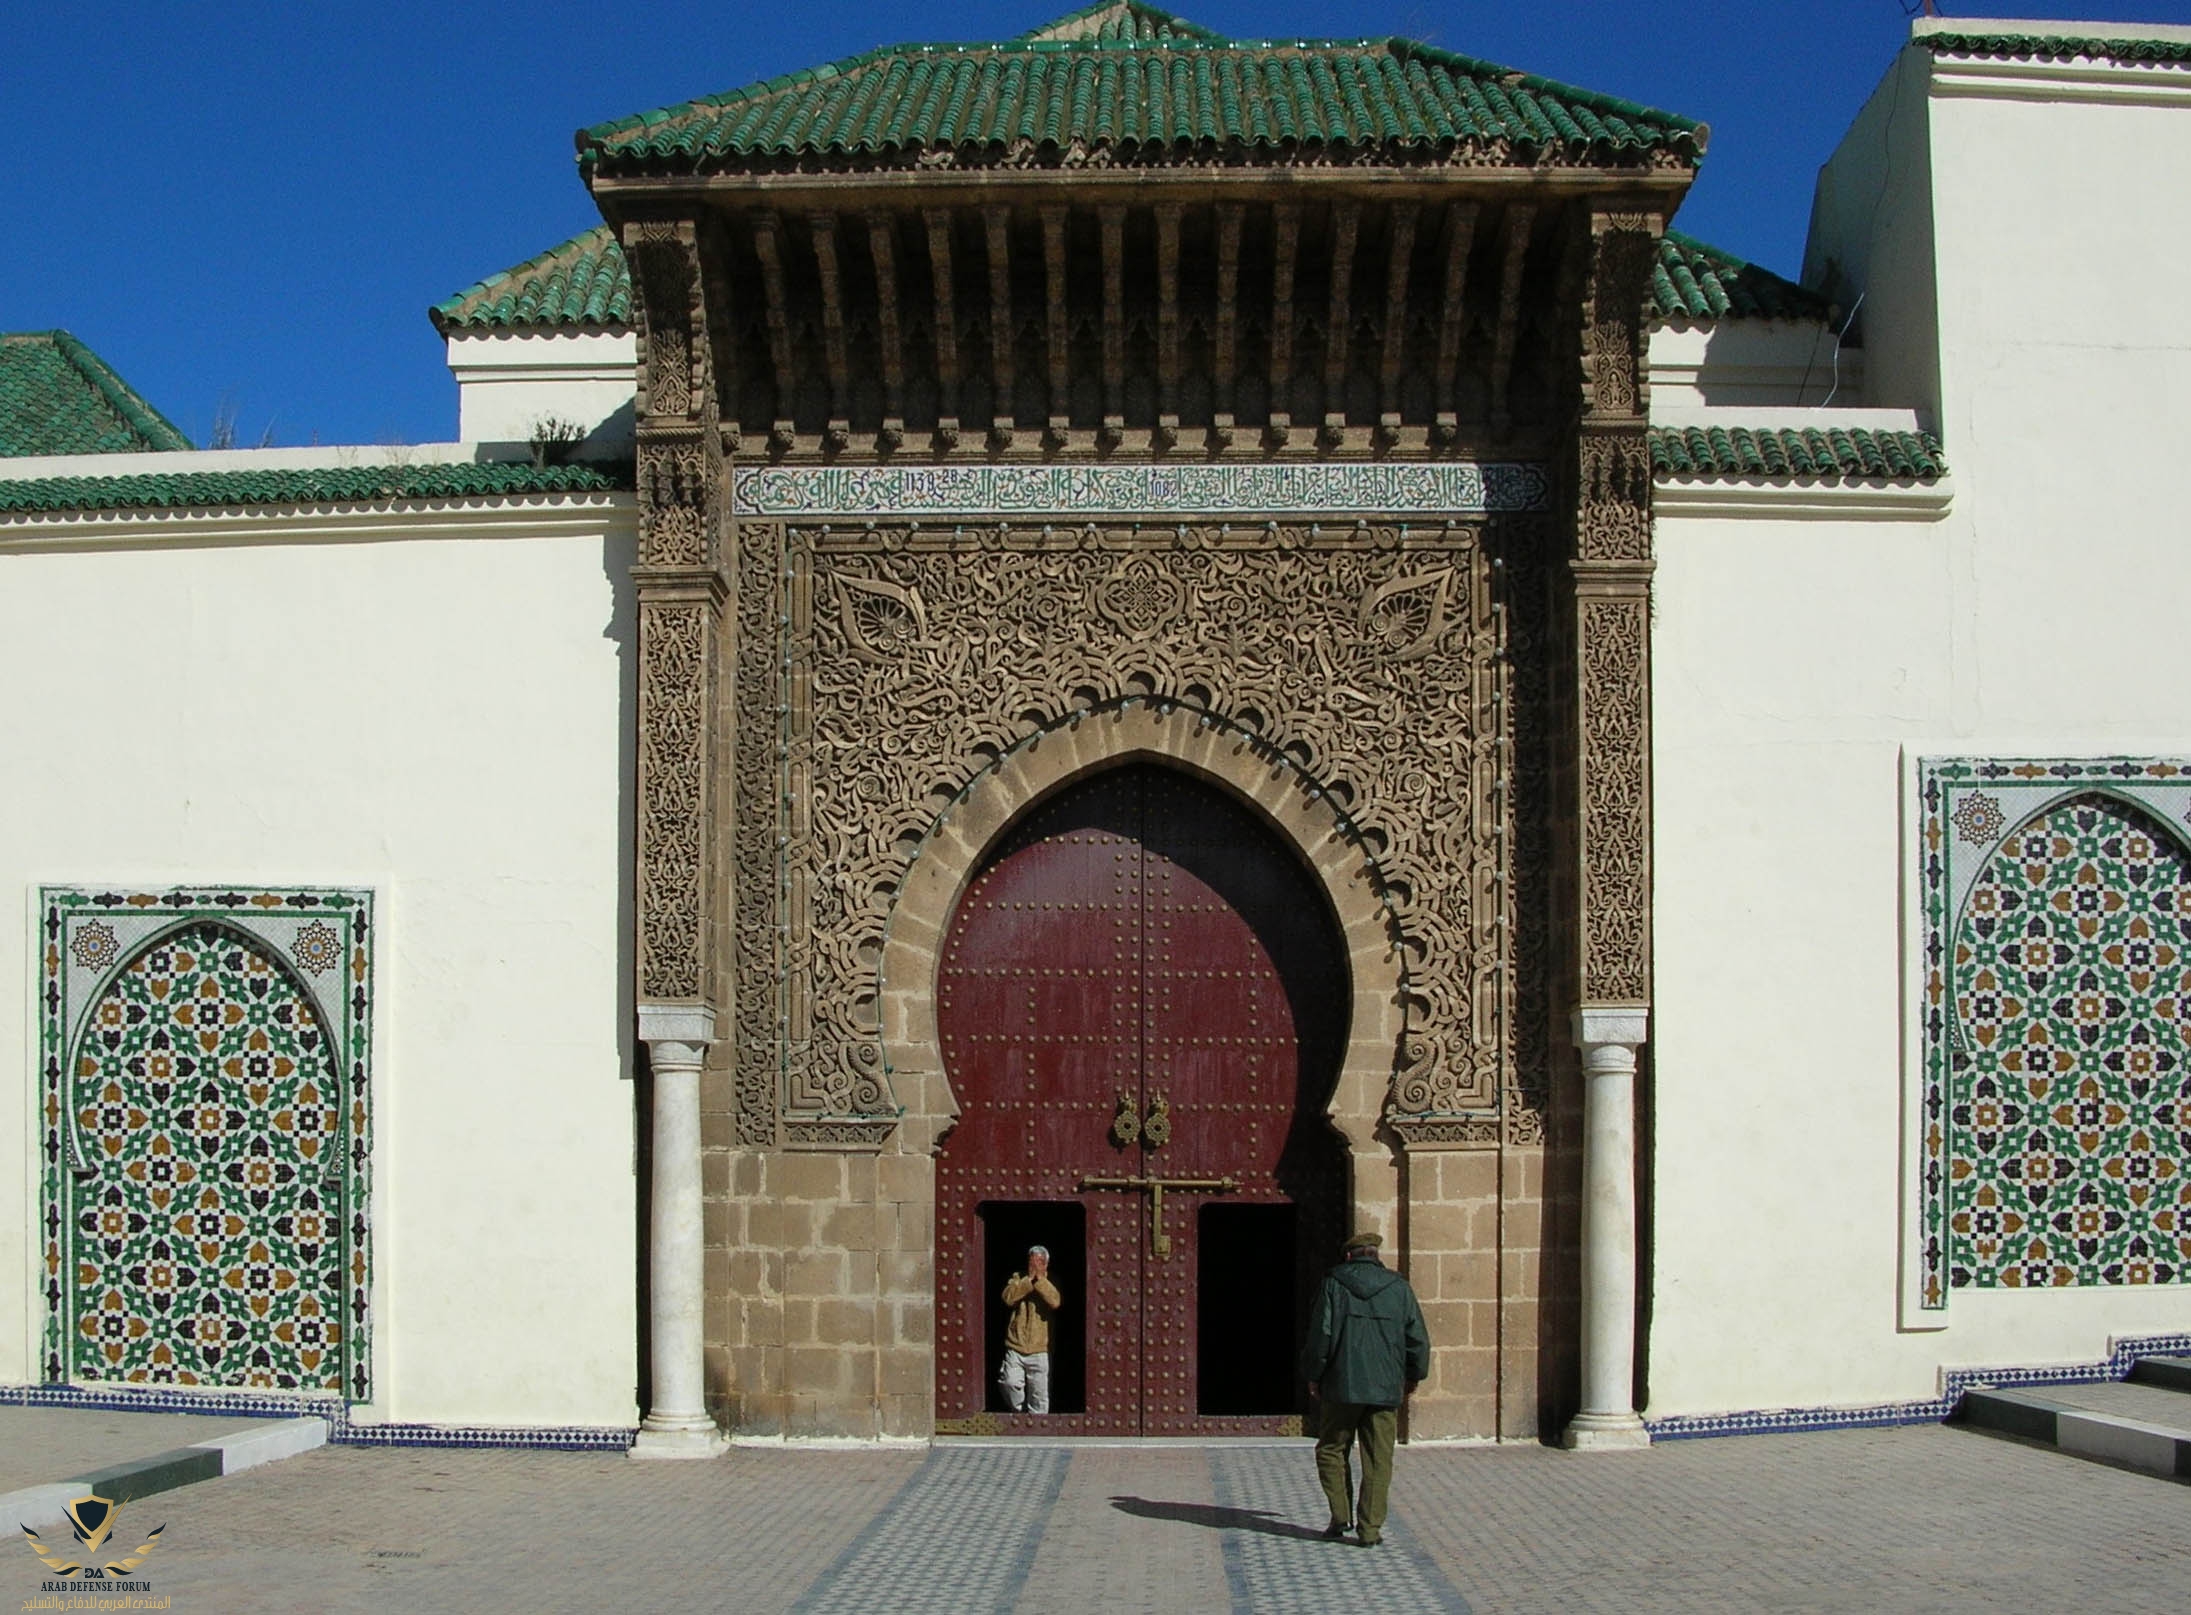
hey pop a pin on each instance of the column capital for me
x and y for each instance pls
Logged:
(676, 1023)
(1626, 1024)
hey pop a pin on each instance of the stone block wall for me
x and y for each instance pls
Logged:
(1473, 1219)
(821, 1293)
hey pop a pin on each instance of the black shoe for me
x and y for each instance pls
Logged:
(1369, 1541)
(1336, 1530)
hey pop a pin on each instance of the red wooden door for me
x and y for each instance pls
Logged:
(1141, 985)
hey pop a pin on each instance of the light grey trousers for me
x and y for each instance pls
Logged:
(1025, 1376)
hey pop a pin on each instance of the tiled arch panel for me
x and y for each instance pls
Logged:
(2053, 1125)
(204, 1118)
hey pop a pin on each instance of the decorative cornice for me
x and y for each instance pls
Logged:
(2092, 66)
(1788, 499)
(392, 520)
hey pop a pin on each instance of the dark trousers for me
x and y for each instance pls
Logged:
(1338, 1424)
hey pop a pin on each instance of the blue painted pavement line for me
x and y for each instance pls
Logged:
(1277, 1561)
(959, 1537)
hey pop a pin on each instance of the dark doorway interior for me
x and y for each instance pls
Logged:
(1245, 1347)
(1008, 1228)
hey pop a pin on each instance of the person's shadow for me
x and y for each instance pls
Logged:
(1212, 1518)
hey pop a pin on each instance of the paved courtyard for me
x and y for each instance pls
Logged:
(1924, 1518)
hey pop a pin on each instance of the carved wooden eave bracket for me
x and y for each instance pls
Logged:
(1026, 315)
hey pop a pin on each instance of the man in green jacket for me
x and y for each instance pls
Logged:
(1366, 1350)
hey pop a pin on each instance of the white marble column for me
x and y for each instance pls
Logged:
(677, 1425)
(1608, 1037)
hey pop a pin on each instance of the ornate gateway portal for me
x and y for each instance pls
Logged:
(1142, 1001)
(1187, 487)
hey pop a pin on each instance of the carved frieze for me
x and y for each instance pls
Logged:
(893, 662)
(1387, 488)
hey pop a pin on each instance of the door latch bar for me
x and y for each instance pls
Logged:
(1160, 1243)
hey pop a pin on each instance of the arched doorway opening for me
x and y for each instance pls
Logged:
(1142, 1001)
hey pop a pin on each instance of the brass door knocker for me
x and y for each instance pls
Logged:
(1158, 1128)
(1126, 1125)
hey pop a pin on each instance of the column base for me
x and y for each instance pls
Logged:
(695, 1437)
(1605, 1432)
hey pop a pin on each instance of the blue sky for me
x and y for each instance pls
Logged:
(254, 204)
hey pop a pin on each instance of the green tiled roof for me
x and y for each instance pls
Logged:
(1695, 282)
(58, 397)
(1131, 79)
(336, 485)
(2050, 48)
(585, 281)
(1834, 452)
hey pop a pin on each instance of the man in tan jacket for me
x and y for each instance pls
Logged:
(1025, 1372)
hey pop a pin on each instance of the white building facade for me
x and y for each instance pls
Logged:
(338, 750)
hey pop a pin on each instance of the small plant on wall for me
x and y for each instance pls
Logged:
(554, 440)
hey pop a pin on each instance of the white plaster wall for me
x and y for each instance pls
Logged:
(1871, 238)
(1752, 362)
(1794, 663)
(508, 382)
(443, 719)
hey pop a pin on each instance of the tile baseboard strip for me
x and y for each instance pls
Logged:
(330, 1411)
(1956, 1383)
(574, 1438)
(2155, 1449)
(46, 1507)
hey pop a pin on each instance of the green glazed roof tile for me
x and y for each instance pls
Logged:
(1132, 79)
(1857, 453)
(2043, 47)
(337, 485)
(585, 281)
(1692, 281)
(58, 397)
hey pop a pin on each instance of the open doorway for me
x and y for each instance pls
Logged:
(1009, 1227)
(1245, 1346)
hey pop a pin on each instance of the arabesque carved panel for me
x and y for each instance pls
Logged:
(1368, 655)
(1616, 805)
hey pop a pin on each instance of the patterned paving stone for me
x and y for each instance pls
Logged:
(960, 1539)
(1109, 1547)
(1923, 1518)
(1277, 1560)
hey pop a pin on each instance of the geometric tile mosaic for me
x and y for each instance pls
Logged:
(205, 1060)
(2055, 1131)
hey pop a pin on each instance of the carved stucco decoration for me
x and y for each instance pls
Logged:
(1616, 807)
(674, 696)
(1612, 569)
(681, 488)
(894, 663)
(1624, 249)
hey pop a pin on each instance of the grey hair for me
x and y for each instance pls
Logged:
(1042, 1251)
